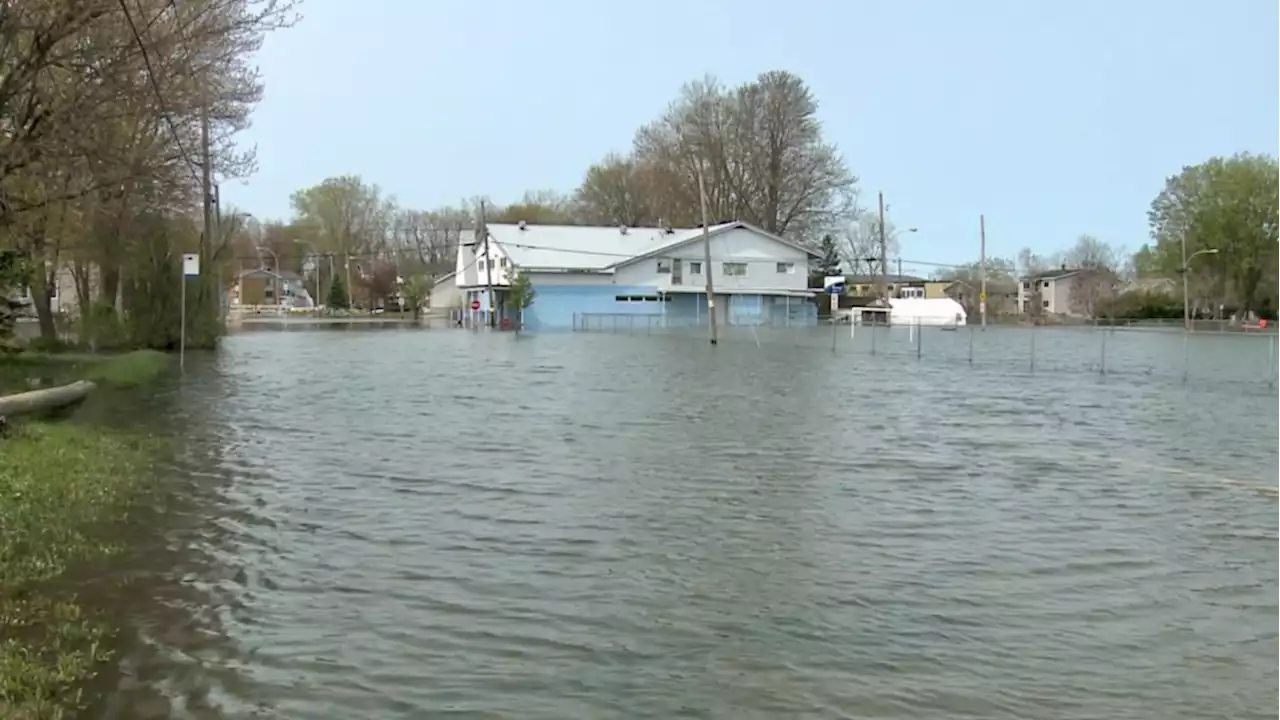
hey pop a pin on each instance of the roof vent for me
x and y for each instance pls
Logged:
(622, 229)
(521, 225)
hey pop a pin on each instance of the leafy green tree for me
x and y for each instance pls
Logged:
(337, 299)
(520, 295)
(415, 289)
(1230, 205)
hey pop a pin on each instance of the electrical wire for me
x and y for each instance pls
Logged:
(403, 250)
(155, 88)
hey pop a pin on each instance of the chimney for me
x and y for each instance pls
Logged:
(521, 225)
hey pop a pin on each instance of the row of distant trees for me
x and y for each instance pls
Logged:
(756, 149)
(1227, 204)
(102, 154)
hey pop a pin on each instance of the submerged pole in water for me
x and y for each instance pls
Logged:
(1271, 369)
(1102, 367)
(1186, 357)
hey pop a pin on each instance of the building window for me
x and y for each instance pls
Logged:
(664, 267)
(695, 268)
(502, 262)
(1026, 286)
(1046, 284)
(912, 292)
(1045, 303)
(481, 265)
(641, 298)
(734, 269)
(787, 268)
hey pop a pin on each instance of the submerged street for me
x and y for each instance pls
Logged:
(402, 524)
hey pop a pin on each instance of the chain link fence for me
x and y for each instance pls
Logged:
(1137, 349)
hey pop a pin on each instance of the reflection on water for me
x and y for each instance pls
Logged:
(404, 524)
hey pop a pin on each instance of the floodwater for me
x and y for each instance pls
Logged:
(414, 524)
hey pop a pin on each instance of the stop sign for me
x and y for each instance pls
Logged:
(475, 304)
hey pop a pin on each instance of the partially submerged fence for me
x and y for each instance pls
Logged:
(1169, 354)
(648, 323)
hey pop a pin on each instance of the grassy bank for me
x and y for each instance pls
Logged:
(126, 370)
(61, 488)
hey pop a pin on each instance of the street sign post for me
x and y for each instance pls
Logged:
(836, 289)
(190, 269)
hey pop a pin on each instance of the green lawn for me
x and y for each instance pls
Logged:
(61, 487)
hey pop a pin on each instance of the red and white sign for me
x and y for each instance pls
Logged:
(475, 304)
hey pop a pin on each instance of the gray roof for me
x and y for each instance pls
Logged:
(593, 248)
(577, 247)
(889, 278)
(1052, 274)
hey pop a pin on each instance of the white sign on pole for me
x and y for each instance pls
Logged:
(190, 264)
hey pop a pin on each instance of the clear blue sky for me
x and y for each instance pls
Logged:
(1052, 118)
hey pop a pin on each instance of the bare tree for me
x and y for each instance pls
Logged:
(432, 237)
(1096, 280)
(541, 207)
(758, 148)
(619, 191)
(862, 243)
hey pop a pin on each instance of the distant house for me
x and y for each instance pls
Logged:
(445, 293)
(906, 287)
(260, 286)
(1068, 292)
(1002, 297)
(1154, 286)
(63, 296)
(1047, 293)
(620, 274)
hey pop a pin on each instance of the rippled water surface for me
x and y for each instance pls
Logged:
(405, 524)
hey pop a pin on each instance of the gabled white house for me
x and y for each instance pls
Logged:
(594, 275)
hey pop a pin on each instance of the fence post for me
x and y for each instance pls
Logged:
(919, 338)
(1033, 346)
(1271, 364)
(1186, 356)
(1102, 367)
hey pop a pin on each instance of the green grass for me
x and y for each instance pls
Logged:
(129, 370)
(61, 487)
(126, 370)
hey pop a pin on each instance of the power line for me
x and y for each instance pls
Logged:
(155, 88)
(405, 249)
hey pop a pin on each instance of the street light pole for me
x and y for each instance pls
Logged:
(1186, 282)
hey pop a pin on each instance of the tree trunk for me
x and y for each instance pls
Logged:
(44, 306)
(37, 401)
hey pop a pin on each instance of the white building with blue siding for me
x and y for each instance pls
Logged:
(625, 277)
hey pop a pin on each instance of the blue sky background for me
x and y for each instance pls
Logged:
(1051, 118)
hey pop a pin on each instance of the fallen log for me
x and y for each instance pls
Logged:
(37, 401)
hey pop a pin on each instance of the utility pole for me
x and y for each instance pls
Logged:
(1186, 288)
(982, 268)
(488, 264)
(706, 255)
(899, 269)
(207, 208)
(883, 252)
